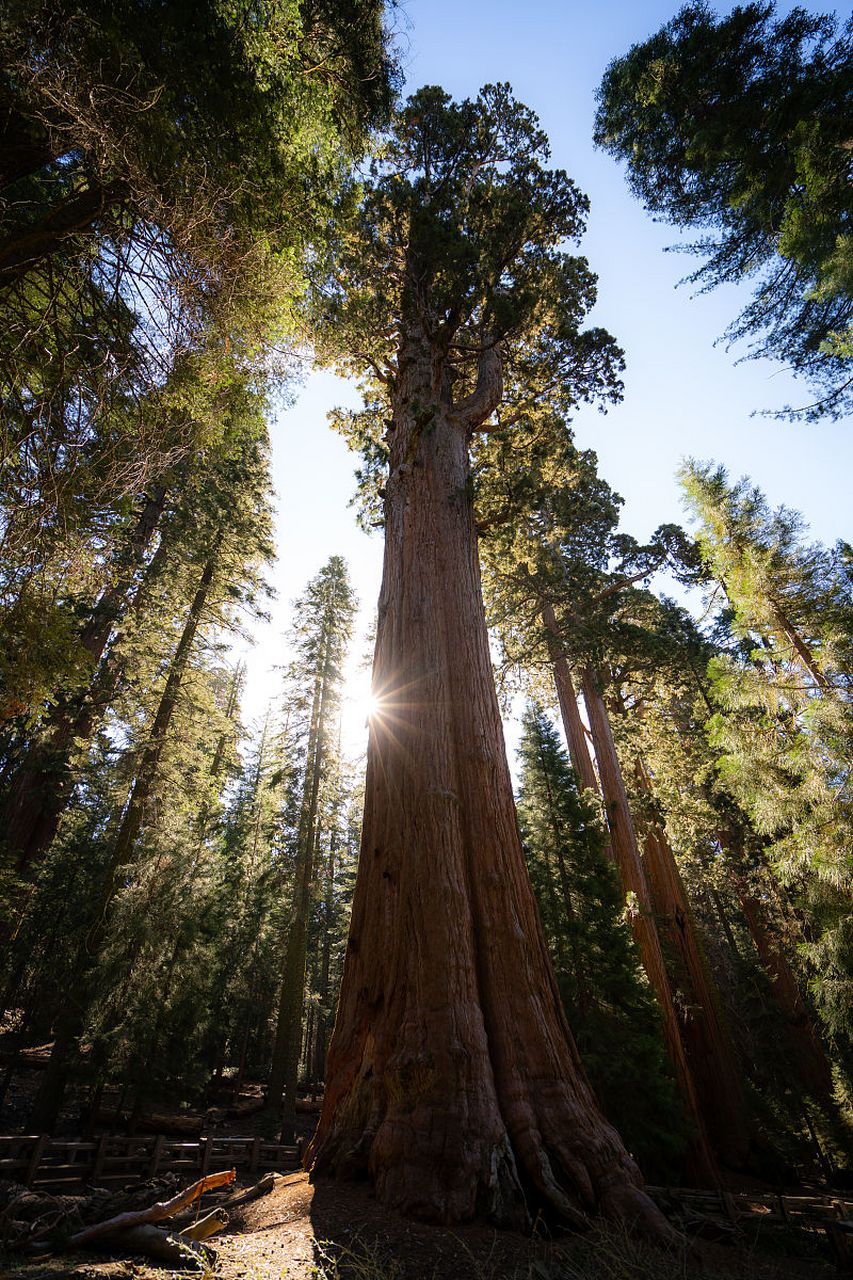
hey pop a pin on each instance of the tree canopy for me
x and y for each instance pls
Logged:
(743, 126)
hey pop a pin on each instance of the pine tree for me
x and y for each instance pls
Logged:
(740, 126)
(557, 577)
(322, 626)
(781, 728)
(608, 1003)
(225, 544)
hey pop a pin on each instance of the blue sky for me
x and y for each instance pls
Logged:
(685, 394)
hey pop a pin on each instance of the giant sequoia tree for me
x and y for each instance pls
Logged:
(453, 1080)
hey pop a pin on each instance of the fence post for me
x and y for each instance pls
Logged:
(206, 1145)
(156, 1155)
(100, 1154)
(255, 1155)
(35, 1158)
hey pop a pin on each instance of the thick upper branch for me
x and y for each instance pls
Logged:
(472, 411)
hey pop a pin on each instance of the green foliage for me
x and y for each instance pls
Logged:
(742, 125)
(609, 1006)
(782, 729)
(169, 173)
(458, 244)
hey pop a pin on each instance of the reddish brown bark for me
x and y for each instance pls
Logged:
(568, 700)
(710, 1051)
(702, 1166)
(453, 1081)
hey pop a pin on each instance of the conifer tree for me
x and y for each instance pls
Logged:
(740, 126)
(40, 773)
(557, 575)
(782, 729)
(452, 1080)
(610, 1007)
(226, 541)
(322, 630)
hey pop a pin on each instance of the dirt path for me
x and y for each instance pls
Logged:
(303, 1231)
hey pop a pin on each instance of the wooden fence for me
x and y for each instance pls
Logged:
(761, 1206)
(61, 1164)
(830, 1214)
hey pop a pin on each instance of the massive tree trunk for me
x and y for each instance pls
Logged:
(453, 1080)
(701, 1163)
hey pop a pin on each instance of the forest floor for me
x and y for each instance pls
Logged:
(331, 1230)
(334, 1231)
(337, 1231)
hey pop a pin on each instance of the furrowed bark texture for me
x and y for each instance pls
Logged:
(569, 713)
(710, 1050)
(701, 1163)
(453, 1081)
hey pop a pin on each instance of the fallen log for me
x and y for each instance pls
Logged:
(154, 1213)
(163, 1246)
(262, 1188)
(181, 1126)
(246, 1107)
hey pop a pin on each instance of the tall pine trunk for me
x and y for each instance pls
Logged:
(710, 1050)
(453, 1081)
(569, 713)
(702, 1166)
(318, 1072)
(288, 1040)
(81, 984)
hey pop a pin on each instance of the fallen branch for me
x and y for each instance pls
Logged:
(155, 1212)
(262, 1188)
(206, 1226)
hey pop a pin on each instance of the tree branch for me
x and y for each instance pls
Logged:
(472, 411)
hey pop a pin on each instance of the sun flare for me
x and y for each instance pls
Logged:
(372, 706)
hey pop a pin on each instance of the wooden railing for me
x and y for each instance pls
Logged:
(766, 1206)
(59, 1163)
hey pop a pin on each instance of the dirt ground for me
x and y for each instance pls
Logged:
(304, 1231)
(335, 1231)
